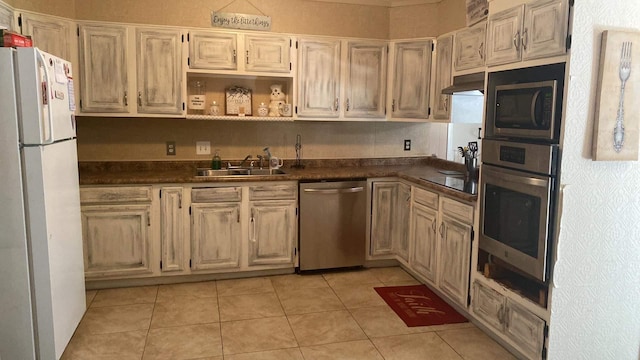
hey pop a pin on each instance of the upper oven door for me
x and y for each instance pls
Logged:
(525, 110)
(515, 215)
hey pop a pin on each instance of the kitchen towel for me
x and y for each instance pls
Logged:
(417, 305)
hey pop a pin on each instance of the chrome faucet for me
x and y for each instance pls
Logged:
(245, 160)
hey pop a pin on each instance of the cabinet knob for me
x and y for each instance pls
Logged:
(336, 104)
(125, 99)
(139, 98)
(247, 57)
(393, 105)
(347, 105)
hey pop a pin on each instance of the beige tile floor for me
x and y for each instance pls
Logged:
(290, 317)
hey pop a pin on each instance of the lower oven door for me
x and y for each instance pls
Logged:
(515, 218)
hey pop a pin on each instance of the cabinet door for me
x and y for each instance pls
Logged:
(503, 40)
(159, 68)
(425, 239)
(401, 223)
(383, 215)
(50, 34)
(525, 329)
(116, 240)
(365, 79)
(103, 69)
(215, 236)
(488, 305)
(455, 252)
(545, 29)
(272, 229)
(319, 75)
(444, 53)
(212, 50)
(469, 47)
(411, 79)
(6, 16)
(171, 229)
(268, 53)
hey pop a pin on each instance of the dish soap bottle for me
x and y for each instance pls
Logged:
(216, 163)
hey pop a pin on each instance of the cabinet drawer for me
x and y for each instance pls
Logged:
(426, 198)
(115, 194)
(222, 194)
(457, 210)
(270, 192)
(488, 305)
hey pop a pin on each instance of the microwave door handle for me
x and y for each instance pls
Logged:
(534, 101)
(45, 90)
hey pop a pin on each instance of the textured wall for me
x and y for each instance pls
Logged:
(595, 306)
(144, 139)
(289, 16)
(427, 20)
(62, 8)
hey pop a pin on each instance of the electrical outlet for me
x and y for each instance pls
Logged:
(203, 147)
(407, 145)
(171, 147)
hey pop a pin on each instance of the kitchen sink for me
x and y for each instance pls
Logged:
(238, 172)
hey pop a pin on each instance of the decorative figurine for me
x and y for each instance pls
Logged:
(277, 100)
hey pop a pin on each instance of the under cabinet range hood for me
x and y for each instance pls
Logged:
(467, 82)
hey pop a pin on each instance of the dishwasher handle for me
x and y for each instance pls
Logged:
(335, 191)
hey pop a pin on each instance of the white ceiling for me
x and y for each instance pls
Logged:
(387, 3)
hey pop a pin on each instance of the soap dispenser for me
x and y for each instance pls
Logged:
(216, 163)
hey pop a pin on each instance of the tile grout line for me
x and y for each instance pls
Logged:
(146, 340)
(219, 320)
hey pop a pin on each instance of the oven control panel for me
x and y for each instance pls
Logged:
(512, 154)
(535, 158)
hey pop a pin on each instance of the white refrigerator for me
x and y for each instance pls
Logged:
(42, 294)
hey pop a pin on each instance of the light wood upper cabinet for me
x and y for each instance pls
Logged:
(470, 47)
(319, 78)
(171, 229)
(443, 79)
(365, 82)
(424, 238)
(535, 30)
(49, 33)
(159, 70)
(6, 17)
(272, 232)
(116, 240)
(545, 29)
(104, 75)
(268, 53)
(215, 235)
(213, 50)
(411, 79)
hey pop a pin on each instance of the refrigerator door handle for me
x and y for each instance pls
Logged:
(45, 90)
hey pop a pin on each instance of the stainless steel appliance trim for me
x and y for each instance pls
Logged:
(327, 240)
(531, 184)
(539, 158)
(528, 85)
(335, 191)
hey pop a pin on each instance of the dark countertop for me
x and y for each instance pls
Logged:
(416, 170)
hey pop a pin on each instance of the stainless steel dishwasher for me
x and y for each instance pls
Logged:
(332, 224)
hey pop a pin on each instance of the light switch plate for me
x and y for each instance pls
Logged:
(407, 145)
(203, 147)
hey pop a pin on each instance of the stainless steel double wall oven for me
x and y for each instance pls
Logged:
(521, 157)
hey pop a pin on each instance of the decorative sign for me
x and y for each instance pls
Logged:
(241, 21)
(477, 10)
(617, 113)
(238, 101)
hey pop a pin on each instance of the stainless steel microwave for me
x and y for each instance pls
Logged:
(525, 104)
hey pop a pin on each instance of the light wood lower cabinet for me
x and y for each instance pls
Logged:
(524, 329)
(272, 230)
(215, 236)
(424, 237)
(391, 202)
(455, 257)
(116, 240)
(171, 230)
